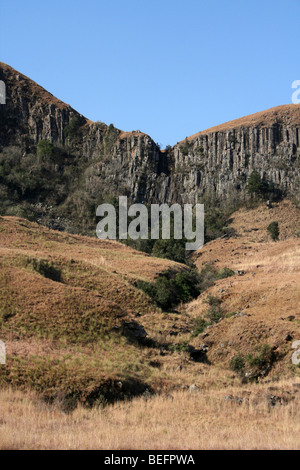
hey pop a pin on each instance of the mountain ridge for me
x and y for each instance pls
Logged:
(264, 117)
(90, 162)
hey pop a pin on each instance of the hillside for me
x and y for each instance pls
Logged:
(65, 297)
(261, 302)
(57, 166)
(287, 114)
(79, 341)
(90, 323)
(71, 316)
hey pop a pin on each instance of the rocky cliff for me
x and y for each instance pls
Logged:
(220, 160)
(213, 164)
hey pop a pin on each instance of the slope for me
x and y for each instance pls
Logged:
(260, 303)
(70, 313)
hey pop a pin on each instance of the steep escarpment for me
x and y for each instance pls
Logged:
(220, 160)
(89, 162)
(31, 113)
(110, 161)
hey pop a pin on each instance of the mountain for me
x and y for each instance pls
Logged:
(79, 325)
(73, 317)
(83, 163)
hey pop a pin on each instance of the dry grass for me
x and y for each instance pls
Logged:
(61, 342)
(67, 333)
(289, 113)
(205, 420)
(267, 293)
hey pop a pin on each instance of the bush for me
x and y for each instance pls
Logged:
(179, 347)
(225, 272)
(237, 363)
(256, 185)
(262, 188)
(214, 314)
(273, 230)
(259, 363)
(169, 289)
(213, 301)
(209, 274)
(185, 148)
(44, 150)
(263, 358)
(215, 224)
(170, 249)
(199, 326)
(71, 130)
(165, 295)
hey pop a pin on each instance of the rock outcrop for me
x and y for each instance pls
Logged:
(220, 160)
(214, 164)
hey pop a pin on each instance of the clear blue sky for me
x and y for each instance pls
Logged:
(167, 67)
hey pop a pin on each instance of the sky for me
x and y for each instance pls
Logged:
(167, 67)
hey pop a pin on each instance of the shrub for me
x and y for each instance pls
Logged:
(187, 285)
(263, 358)
(209, 274)
(214, 314)
(185, 147)
(225, 272)
(165, 295)
(179, 347)
(273, 230)
(215, 224)
(213, 301)
(44, 150)
(170, 289)
(170, 249)
(71, 130)
(256, 185)
(237, 363)
(199, 326)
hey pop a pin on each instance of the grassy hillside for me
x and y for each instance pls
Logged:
(80, 331)
(70, 313)
(260, 304)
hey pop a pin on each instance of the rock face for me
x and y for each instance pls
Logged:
(30, 113)
(220, 160)
(212, 164)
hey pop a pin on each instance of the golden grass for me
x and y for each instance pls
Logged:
(267, 292)
(56, 344)
(262, 118)
(184, 420)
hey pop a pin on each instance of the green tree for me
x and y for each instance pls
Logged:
(44, 150)
(170, 249)
(185, 147)
(72, 129)
(256, 185)
(273, 230)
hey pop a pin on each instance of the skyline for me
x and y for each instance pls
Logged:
(170, 69)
